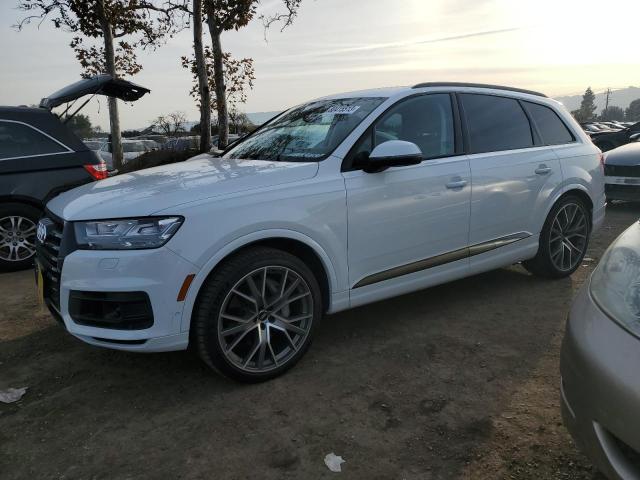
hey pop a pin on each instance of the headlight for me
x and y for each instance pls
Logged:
(615, 284)
(126, 234)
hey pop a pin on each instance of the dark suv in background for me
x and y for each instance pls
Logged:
(41, 157)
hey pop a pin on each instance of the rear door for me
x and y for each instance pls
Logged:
(513, 173)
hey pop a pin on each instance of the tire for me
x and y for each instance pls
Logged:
(18, 223)
(270, 332)
(556, 236)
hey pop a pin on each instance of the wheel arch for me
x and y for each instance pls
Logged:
(582, 193)
(32, 202)
(576, 189)
(289, 241)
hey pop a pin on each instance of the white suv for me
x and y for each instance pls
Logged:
(336, 203)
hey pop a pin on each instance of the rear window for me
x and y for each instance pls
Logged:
(19, 140)
(496, 123)
(552, 130)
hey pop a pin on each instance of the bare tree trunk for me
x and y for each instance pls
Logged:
(218, 74)
(203, 81)
(110, 60)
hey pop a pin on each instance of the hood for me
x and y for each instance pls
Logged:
(627, 155)
(100, 85)
(146, 192)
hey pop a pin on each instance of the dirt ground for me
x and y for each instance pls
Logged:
(458, 381)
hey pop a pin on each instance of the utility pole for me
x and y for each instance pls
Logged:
(606, 105)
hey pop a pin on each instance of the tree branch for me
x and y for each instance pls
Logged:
(286, 18)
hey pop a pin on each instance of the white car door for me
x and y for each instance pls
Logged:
(408, 227)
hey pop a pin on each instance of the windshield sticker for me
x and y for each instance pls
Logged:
(303, 155)
(342, 109)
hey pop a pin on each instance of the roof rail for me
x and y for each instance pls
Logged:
(477, 85)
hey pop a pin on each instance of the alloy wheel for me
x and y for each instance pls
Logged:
(17, 238)
(265, 319)
(568, 237)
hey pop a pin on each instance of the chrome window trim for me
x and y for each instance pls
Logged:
(69, 150)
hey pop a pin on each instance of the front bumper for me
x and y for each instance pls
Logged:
(601, 389)
(159, 273)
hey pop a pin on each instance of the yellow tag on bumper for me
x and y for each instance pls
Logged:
(39, 285)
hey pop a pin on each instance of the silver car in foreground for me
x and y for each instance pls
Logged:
(600, 362)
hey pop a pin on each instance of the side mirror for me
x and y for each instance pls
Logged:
(394, 153)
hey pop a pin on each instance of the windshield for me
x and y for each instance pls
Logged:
(307, 133)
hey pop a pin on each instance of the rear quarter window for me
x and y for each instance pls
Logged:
(20, 140)
(495, 123)
(551, 128)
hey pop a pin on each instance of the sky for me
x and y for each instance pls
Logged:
(555, 46)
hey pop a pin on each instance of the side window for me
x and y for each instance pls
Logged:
(426, 120)
(18, 140)
(495, 123)
(552, 130)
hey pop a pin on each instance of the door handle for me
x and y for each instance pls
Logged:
(456, 184)
(543, 170)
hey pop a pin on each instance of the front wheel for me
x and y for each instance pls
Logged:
(255, 317)
(563, 241)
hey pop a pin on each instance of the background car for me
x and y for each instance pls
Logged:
(131, 149)
(181, 144)
(150, 145)
(94, 145)
(622, 173)
(233, 137)
(41, 157)
(608, 140)
(599, 362)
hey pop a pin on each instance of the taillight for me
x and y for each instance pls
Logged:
(97, 171)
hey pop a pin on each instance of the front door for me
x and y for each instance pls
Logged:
(408, 224)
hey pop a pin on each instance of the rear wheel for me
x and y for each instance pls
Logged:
(17, 236)
(563, 241)
(255, 317)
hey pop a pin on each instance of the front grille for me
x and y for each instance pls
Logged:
(622, 170)
(630, 193)
(48, 255)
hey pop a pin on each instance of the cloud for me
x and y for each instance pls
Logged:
(470, 35)
(381, 46)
